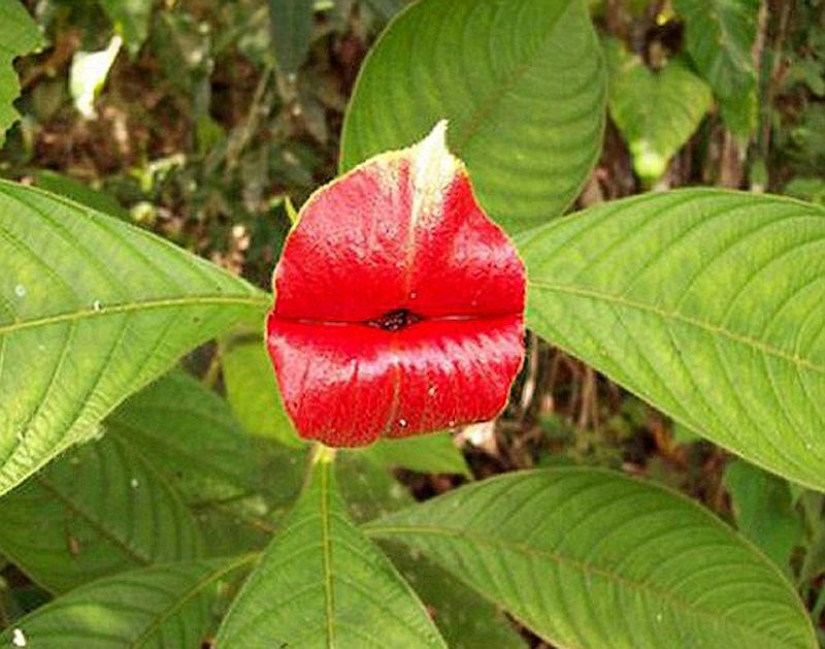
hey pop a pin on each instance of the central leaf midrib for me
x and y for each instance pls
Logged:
(326, 545)
(191, 593)
(133, 307)
(708, 327)
(96, 523)
(493, 99)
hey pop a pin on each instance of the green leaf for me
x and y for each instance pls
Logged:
(251, 387)
(436, 453)
(368, 489)
(163, 606)
(191, 436)
(91, 310)
(707, 304)
(321, 583)
(522, 83)
(236, 486)
(131, 20)
(291, 27)
(467, 620)
(763, 511)
(75, 190)
(20, 36)
(656, 112)
(590, 558)
(100, 509)
(719, 36)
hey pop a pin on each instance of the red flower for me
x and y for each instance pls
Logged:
(398, 303)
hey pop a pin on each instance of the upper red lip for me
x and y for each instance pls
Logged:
(398, 303)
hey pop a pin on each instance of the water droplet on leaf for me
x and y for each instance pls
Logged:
(133, 483)
(97, 306)
(20, 290)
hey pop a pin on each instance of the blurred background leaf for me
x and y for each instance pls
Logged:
(656, 110)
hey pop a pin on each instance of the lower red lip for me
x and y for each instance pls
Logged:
(344, 382)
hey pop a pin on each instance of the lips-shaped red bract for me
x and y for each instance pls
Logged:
(398, 303)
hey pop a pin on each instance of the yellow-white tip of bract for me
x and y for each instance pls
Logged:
(433, 169)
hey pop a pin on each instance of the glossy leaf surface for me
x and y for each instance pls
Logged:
(398, 303)
(522, 83)
(590, 558)
(164, 606)
(707, 304)
(321, 583)
(20, 36)
(91, 310)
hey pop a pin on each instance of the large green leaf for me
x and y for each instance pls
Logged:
(522, 83)
(91, 310)
(19, 36)
(322, 584)
(163, 606)
(98, 510)
(708, 304)
(590, 558)
(720, 35)
(237, 486)
(656, 111)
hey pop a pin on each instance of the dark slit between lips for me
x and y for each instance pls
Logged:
(395, 320)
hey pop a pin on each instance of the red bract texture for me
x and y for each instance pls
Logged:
(398, 303)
